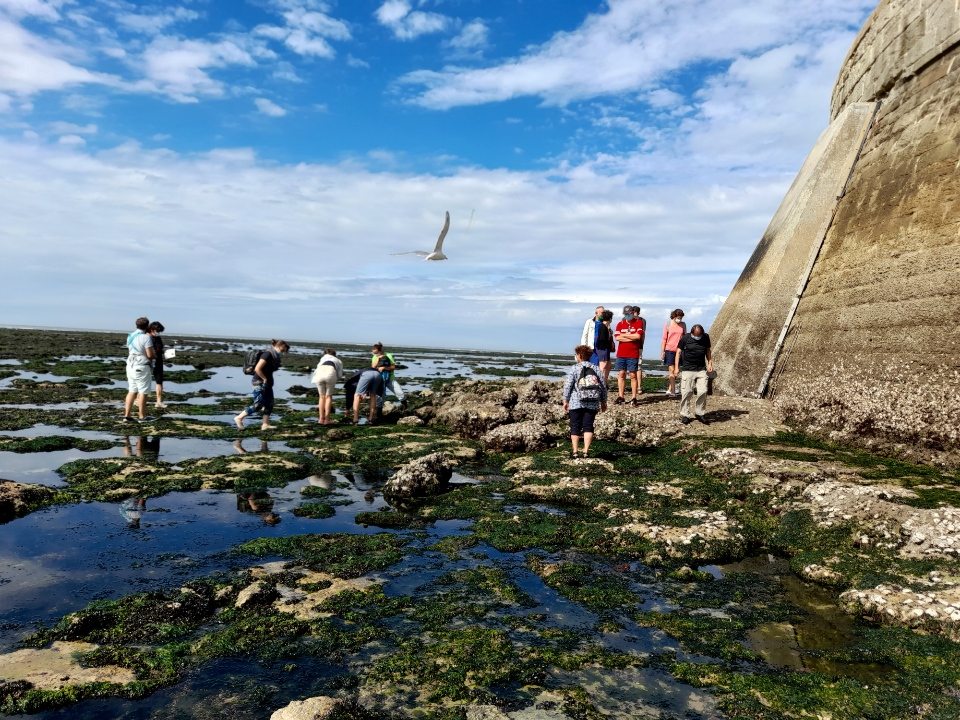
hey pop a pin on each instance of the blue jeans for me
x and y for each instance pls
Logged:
(262, 400)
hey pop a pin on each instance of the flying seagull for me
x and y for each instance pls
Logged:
(437, 253)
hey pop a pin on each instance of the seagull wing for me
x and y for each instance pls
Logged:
(421, 253)
(443, 234)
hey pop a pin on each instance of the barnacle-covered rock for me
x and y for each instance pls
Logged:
(517, 437)
(422, 477)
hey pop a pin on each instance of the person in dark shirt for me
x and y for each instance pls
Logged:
(154, 331)
(267, 364)
(693, 361)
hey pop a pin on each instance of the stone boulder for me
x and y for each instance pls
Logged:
(473, 416)
(412, 420)
(315, 708)
(257, 593)
(19, 499)
(422, 477)
(517, 437)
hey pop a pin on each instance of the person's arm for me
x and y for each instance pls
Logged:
(663, 342)
(339, 365)
(676, 359)
(258, 370)
(567, 390)
(374, 361)
(709, 359)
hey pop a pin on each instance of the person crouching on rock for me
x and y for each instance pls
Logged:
(584, 394)
(370, 385)
(267, 364)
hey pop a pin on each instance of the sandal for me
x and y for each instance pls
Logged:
(575, 455)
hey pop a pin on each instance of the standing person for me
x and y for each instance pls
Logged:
(693, 361)
(369, 384)
(384, 362)
(675, 329)
(584, 394)
(604, 345)
(643, 336)
(629, 337)
(329, 371)
(154, 331)
(268, 363)
(139, 354)
(590, 329)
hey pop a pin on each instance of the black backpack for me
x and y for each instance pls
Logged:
(250, 361)
(588, 386)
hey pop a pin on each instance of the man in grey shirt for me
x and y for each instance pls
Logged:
(139, 370)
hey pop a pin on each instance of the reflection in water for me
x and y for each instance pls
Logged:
(147, 447)
(238, 446)
(132, 510)
(325, 480)
(259, 503)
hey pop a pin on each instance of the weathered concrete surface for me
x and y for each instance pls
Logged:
(877, 358)
(746, 329)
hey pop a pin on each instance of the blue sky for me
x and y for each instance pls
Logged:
(248, 167)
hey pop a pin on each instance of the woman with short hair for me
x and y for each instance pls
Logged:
(267, 364)
(604, 345)
(672, 332)
(584, 394)
(154, 330)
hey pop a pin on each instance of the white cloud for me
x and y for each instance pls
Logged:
(178, 68)
(153, 23)
(472, 39)
(74, 140)
(35, 8)
(5, 102)
(407, 23)
(357, 62)
(267, 107)
(29, 64)
(306, 31)
(323, 235)
(64, 128)
(631, 46)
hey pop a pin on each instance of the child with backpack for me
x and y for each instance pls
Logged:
(584, 394)
(261, 365)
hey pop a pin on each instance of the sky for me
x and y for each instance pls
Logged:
(248, 168)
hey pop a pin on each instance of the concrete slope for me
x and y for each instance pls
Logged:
(746, 331)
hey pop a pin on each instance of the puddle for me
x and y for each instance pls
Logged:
(42, 430)
(41, 467)
(824, 625)
(514, 509)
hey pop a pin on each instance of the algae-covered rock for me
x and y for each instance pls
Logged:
(410, 420)
(257, 593)
(422, 477)
(485, 712)
(19, 499)
(315, 708)
(517, 437)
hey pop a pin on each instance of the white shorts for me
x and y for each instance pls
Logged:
(326, 380)
(138, 378)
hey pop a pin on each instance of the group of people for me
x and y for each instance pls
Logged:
(145, 356)
(685, 355)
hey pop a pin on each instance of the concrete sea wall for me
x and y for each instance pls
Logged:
(873, 350)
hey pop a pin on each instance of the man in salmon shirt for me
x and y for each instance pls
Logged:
(629, 337)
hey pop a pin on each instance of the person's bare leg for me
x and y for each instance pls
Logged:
(239, 419)
(327, 408)
(128, 404)
(639, 378)
(320, 410)
(356, 409)
(671, 382)
(633, 386)
(605, 371)
(373, 408)
(575, 441)
(159, 395)
(587, 439)
(265, 424)
(142, 405)
(621, 382)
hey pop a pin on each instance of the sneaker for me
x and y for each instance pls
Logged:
(702, 419)
(146, 419)
(160, 405)
(634, 403)
(126, 418)
(686, 420)
(619, 401)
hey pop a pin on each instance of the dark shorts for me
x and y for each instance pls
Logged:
(628, 364)
(262, 400)
(600, 356)
(669, 358)
(158, 374)
(581, 421)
